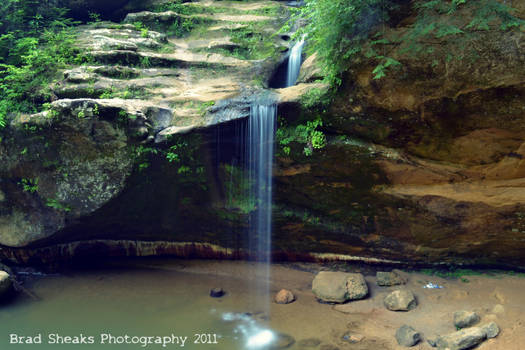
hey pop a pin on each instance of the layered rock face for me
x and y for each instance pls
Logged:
(429, 162)
(122, 119)
(138, 154)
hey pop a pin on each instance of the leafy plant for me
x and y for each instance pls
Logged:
(36, 40)
(343, 31)
(307, 134)
(55, 204)
(29, 185)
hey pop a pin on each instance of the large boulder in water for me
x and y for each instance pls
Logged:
(339, 287)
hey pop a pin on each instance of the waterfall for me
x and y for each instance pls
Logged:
(261, 130)
(256, 138)
(294, 63)
(259, 152)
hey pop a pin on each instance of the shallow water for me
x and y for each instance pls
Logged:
(136, 302)
(150, 297)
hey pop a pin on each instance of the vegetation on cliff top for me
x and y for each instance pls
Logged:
(36, 40)
(342, 31)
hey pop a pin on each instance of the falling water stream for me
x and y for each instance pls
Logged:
(294, 63)
(260, 153)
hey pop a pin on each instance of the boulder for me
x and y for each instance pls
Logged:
(284, 297)
(5, 283)
(339, 287)
(463, 339)
(387, 279)
(407, 336)
(463, 319)
(154, 19)
(491, 329)
(400, 300)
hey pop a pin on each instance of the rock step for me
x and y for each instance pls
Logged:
(167, 18)
(150, 59)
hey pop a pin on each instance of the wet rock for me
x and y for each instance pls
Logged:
(387, 279)
(491, 330)
(5, 283)
(338, 287)
(309, 343)
(217, 293)
(282, 341)
(284, 297)
(407, 336)
(463, 339)
(400, 300)
(463, 319)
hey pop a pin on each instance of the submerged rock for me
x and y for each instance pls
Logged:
(217, 293)
(400, 300)
(352, 338)
(284, 297)
(463, 319)
(407, 336)
(309, 343)
(328, 347)
(387, 279)
(282, 341)
(339, 287)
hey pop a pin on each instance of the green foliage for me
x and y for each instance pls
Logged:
(238, 199)
(145, 62)
(380, 70)
(253, 42)
(36, 40)
(342, 31)
(94, 17)
(29, 185)
(316, 98)
(453, 272)
(55, 204)
(337, 29)
(307, 134)
(172, 155)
